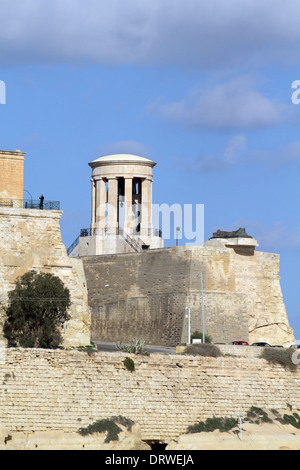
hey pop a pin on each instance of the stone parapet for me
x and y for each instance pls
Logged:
(232, 350)
(62, 391)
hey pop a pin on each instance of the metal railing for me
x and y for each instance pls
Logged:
(88, 232)
(73, 246)
(30, 204)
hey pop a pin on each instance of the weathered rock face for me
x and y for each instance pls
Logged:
(31, 239)
(146, 295)
(236, 267)
(273, 436)
(258, 278)
(59, 440)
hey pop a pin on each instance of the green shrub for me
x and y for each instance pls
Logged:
(126, 422)
(109, 425)
(129, 364)
(103, 425)
(137, 346)
(208, 350)
(211, 424)
(37, 306)
(88, 348)
(279, 356)
(257, 415)
(254, 415)
(198, 335)
(294, 420)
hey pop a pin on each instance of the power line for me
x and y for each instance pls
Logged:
(40, 299)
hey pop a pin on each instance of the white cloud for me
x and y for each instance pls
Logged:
(230, 156)
(288, 154)
(210, 34)
(236, 153)
(235, 147)
(276, 237)
(234, 104)
(126, 146)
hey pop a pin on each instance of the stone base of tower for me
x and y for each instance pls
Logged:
(113, 244)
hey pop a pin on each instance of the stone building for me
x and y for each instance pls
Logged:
(11, 174)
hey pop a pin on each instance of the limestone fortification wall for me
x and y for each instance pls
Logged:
(31, 239)
(64, 390)
(146, 294)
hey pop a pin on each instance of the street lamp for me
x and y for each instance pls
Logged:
(240, 421)
(177, 234)
(203, 327)
(189, 317)
(25, 190)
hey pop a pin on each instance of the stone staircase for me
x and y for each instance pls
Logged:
(135, 243)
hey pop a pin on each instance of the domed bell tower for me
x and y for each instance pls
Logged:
(121, 216)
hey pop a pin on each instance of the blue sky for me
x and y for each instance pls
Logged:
(202, 88)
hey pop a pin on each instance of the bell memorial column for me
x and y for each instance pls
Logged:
(100, 207)
(112, 216)
(146, 208)
(93, 221)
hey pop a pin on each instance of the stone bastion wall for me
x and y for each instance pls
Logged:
(144, 295)
(30, 239)
(64, 390)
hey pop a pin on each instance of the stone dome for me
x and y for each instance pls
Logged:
(122, 158)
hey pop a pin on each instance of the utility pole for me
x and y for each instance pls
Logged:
(189, 317)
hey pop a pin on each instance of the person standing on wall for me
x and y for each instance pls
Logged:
(41, 201)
